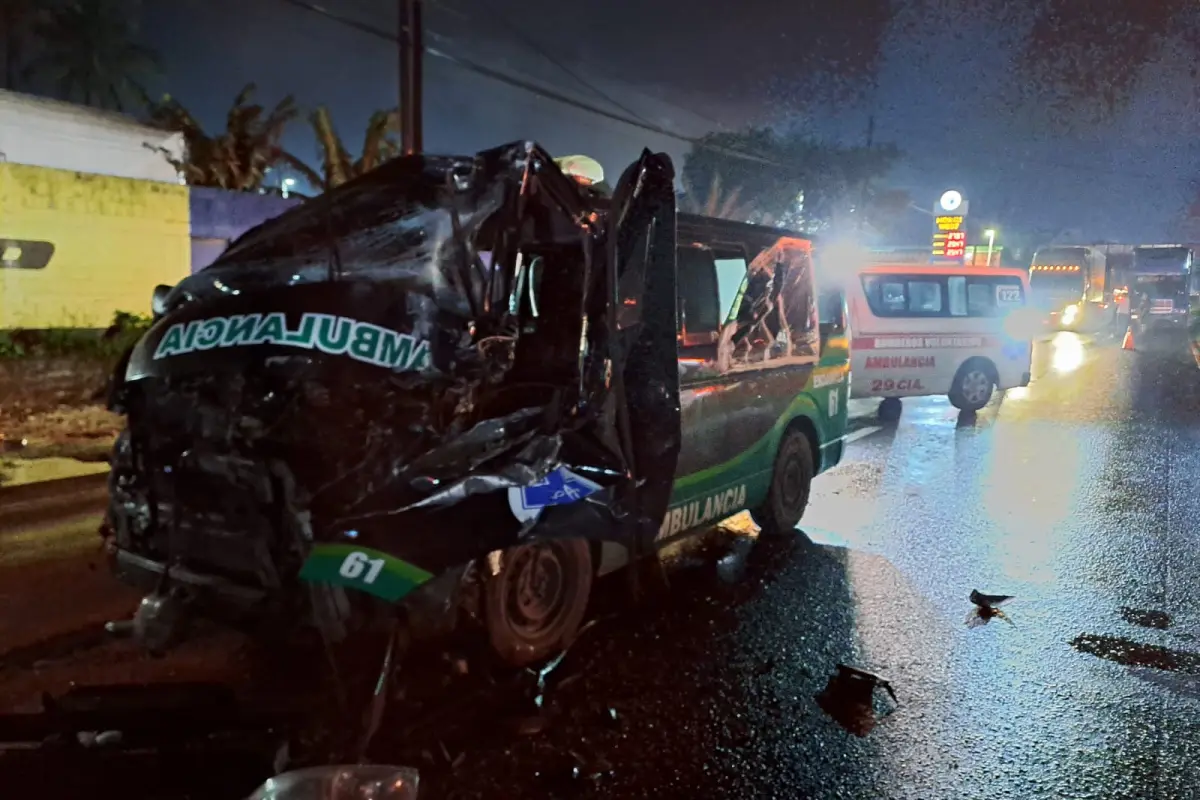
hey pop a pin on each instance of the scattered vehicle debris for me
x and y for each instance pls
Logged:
(849, 699)
(987, 607)
(342, 782)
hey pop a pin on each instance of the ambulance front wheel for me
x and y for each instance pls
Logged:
(533, 608)
(973, 385)
(889, 409)
(791, 485)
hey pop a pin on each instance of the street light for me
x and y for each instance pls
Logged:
(288, 183)
(990, 233)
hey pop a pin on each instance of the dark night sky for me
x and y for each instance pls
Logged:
(692, 66)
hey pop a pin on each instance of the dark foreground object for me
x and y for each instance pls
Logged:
(147, 741)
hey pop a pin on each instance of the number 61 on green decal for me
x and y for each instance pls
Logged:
(372, 571)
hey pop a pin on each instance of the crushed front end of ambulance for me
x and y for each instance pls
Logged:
(331, 416)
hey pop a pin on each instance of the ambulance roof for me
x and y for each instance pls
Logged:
(941, 269)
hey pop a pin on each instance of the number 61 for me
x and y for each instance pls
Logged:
(356, 563)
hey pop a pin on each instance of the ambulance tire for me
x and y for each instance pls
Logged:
(791, 485)
(890, 409)
(974, 385)
(534, 607)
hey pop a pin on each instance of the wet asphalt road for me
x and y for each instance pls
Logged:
(1080, 495)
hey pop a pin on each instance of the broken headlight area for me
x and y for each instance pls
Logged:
(347, 396)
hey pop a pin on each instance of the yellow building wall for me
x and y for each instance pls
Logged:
(114, 240)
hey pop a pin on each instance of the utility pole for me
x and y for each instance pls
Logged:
(862, 203)
(412, 51)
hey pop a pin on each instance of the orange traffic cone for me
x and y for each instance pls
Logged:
(1127, 344)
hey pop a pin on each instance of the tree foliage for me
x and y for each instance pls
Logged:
(89, 53)
(792, 181)
(337, 165)
(238, 157)
(16, 16)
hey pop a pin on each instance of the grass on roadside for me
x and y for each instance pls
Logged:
(107, 346)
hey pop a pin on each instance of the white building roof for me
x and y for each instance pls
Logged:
(59, 135)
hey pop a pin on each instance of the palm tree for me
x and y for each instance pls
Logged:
(337, 166)
(237, 158)
(89, 52)
(719, 205)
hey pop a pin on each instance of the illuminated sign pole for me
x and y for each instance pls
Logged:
(950, 227)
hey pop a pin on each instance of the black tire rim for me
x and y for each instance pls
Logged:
(792, 484)
(535, 579)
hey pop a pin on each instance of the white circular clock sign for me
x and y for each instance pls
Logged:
(951, 200)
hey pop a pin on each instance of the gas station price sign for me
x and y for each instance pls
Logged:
(950, 244)
(950, 227)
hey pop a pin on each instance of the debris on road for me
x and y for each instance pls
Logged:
(849, 698)
(987, 606)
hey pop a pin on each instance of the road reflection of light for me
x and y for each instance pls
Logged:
(1068, 352)
(1028, 496)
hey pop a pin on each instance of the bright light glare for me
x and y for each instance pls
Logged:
(1069, 314)
(1024, 324)
(1068, 352)
(842, 257)
(989, 233)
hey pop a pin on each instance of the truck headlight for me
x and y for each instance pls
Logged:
(1069, 314)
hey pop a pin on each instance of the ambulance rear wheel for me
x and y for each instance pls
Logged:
(534, 607)
(889, 409)
(973, 385)
(791, 485)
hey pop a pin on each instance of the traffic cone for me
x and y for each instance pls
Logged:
(1127, 344)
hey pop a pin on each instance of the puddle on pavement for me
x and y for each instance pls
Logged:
(1160, 620)
(1136, 654)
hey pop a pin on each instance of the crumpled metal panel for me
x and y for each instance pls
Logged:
(419, 341)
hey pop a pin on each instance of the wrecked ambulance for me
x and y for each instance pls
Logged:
(465, 382)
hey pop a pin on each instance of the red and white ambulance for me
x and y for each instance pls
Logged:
(931, 329)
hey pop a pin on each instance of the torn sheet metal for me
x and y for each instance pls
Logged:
(389, 361)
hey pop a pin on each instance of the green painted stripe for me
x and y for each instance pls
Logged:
(804, 405)
(363, 568)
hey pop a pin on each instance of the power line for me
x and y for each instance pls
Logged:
(549, 94)
(536, 47)
(546, 94)
(533, 47)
